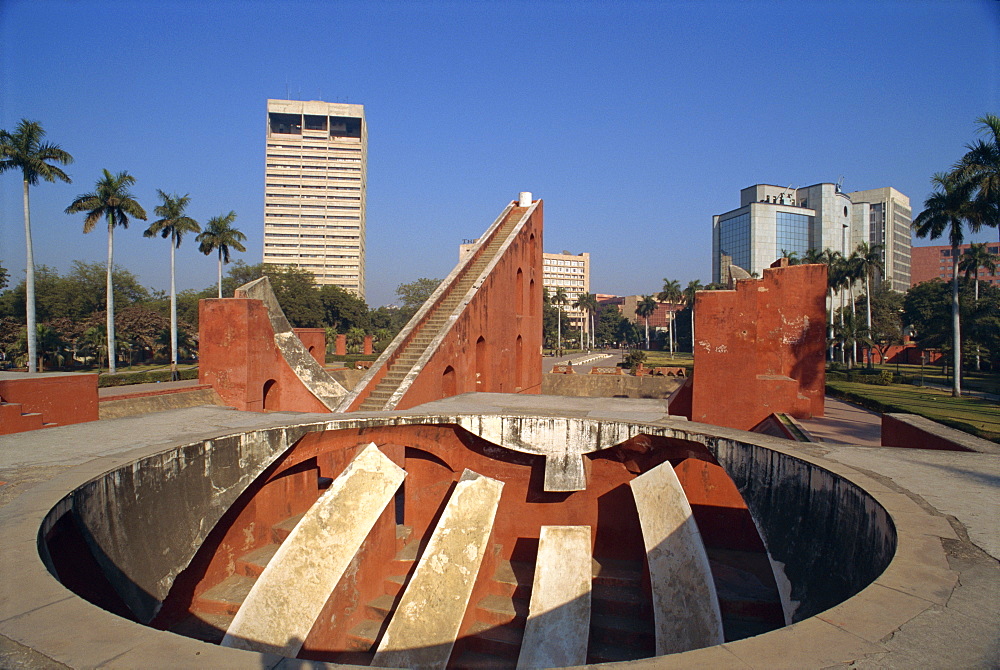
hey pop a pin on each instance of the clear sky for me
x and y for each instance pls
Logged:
(634, 121)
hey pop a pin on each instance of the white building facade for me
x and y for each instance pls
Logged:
(571, 272)
(773, 220)
(314, 190)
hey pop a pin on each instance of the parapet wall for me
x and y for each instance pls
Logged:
(32, 401)
(760, 349)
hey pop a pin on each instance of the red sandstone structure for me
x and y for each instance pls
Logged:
(481, 330)
(760, 349)
(30, 402)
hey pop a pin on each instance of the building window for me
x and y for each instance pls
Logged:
(791, 233)
(734, 241)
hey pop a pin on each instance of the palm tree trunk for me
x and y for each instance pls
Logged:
(558, 330)
(956, 342)
(29, 286)
(829, 328)
(978, 363)
(220, 273)
(670, 333)
(868, 304)
(692, 327)
(647, 333)
(173, 315)
(843, 339)
(111, 300)
(854, 330)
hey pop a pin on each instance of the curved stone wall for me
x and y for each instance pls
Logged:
(144, 521)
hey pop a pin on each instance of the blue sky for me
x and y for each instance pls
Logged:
(634, 121)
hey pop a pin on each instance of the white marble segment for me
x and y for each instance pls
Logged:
(423, 629)
(558, 626)
(685, 606)
(287, 598)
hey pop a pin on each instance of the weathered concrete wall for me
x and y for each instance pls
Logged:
(761, 348)
(144, 403)
(609, 386)
(239, 358)
(145, 521)
(60, 398)
(910, 431)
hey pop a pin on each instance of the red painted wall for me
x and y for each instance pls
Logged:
(61, 399)
(760, 348)
(239, 359)
(315, 341)
(494, 315)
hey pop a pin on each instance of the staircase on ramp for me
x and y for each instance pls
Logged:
(415, 346)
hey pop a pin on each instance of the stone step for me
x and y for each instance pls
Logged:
(618, 601)
(479, 661)
(380, 607)
(253, 563)
(280, 530)
(513, 579)
(502, 641)
(614, 572)
(499, 611)
(363, 636)
(394, 584)
(627, 631)
(226, 597)
(610, 653)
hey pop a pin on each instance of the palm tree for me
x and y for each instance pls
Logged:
(220, 235)
(981, 167)
(112, 201)
(869, 261)
(947, 209)
(587, 302)
(24, 150)
(645, 309)
(975, 257)
(559, 299)
(689, 294)
(832, 261)
(173, 223)
(671, 293)
(813, 256)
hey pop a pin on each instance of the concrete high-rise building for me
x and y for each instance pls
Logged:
(571, 272)
(775, 219)
(314, 190)
(889, 221)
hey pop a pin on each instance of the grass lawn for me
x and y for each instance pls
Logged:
(972, 415)
(978, 381)
(657, 359)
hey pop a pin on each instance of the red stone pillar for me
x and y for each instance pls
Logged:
(341, 345)
(368, 345)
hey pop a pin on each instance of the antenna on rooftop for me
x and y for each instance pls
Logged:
(840, 182)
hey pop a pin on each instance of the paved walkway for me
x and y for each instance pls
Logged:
(844, 423)
(130, 389)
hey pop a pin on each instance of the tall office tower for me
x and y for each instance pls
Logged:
(572, 273)
(890, 218)
(314, 190)
(772, 219)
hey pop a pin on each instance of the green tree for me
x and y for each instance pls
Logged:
(4, 276)
(671, 293)
(112, 201)
(413, 295)
(172, 224)
(977, 257)
(587, 302)
(219, 235)
(689, 296)
(297, 294)
(558, 299)
(948, 209)
(980, 168)
(868, 261)
(645, 309)
(886, 311)
(342, 309)
(25, 152)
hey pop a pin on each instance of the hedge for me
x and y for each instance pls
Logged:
(143, 377)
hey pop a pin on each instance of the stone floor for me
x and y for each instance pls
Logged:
(937, 605)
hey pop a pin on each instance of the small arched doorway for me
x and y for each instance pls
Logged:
(482, 365)
(269, 396)
(519, 293)
(518, 365)
(448, 383)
